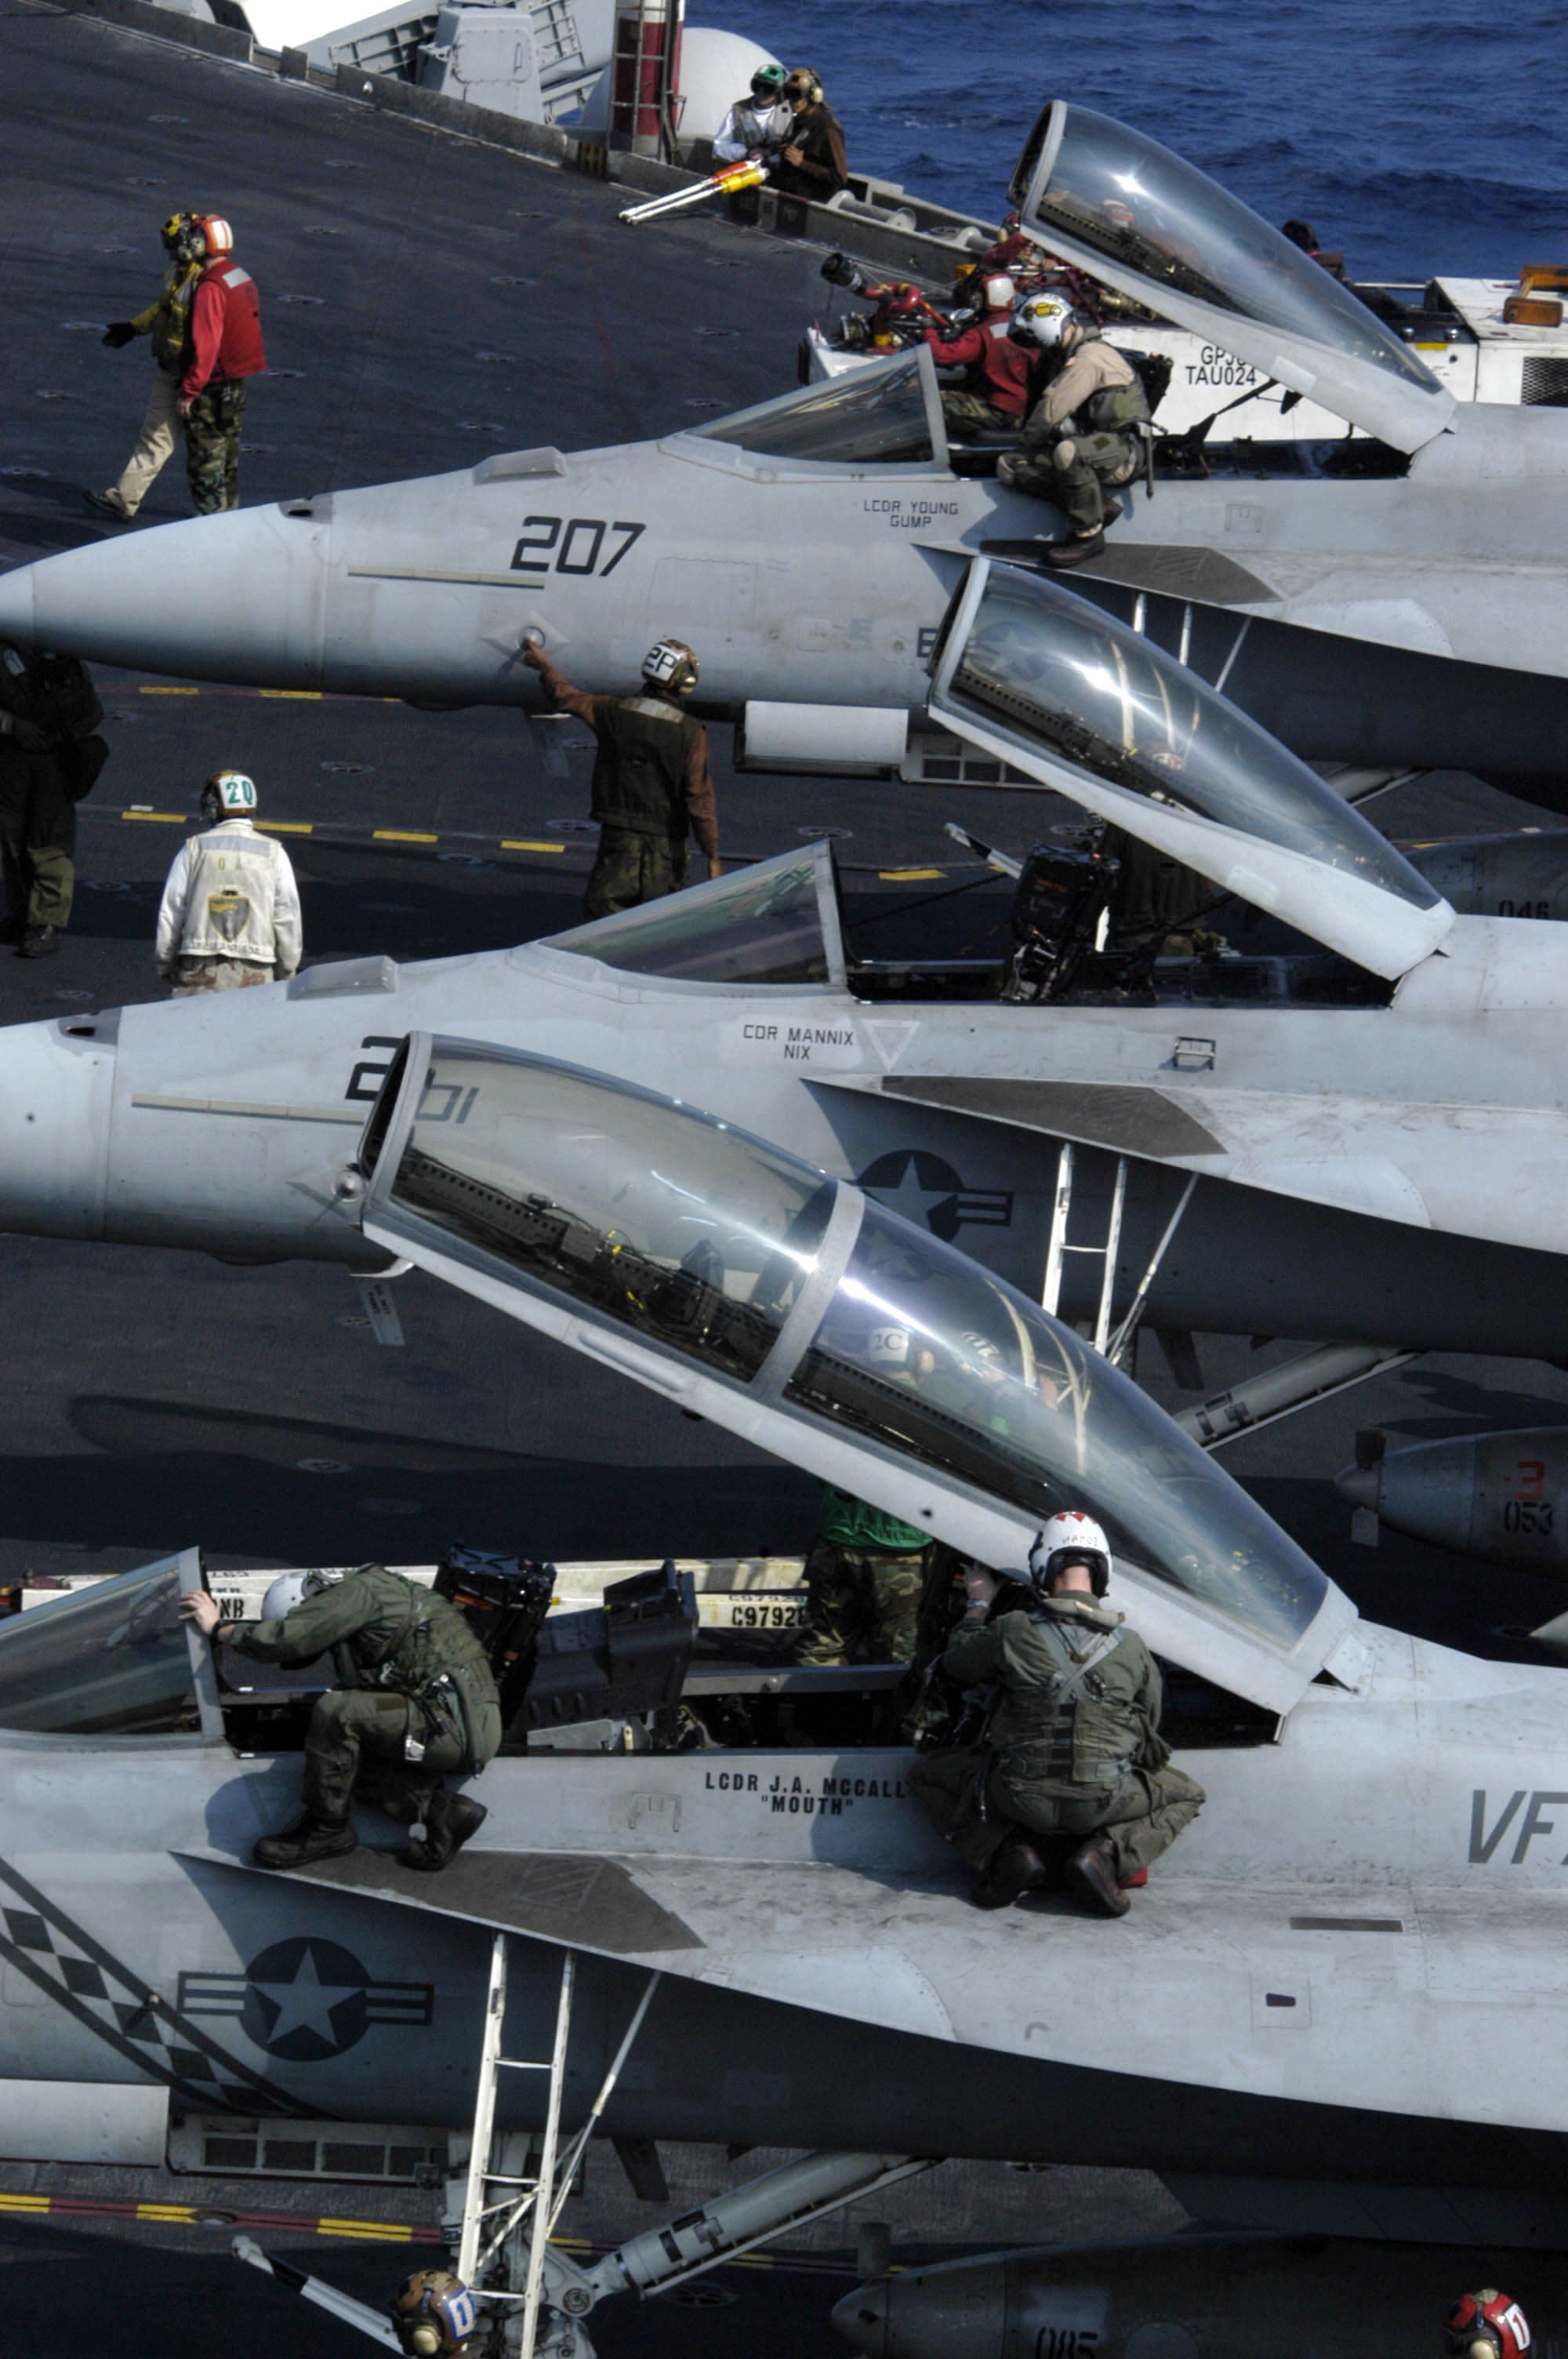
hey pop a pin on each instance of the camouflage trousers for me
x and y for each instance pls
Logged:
(38, 839)
(1073, 473)
(356, 1750)
(861, 1604)
(974, 412)
(194, 976)
(967, 1798)
(632, 868)
(212, 447)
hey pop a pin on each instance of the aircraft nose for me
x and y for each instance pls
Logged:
(241, 595)
(56, 1081)
(16, 605)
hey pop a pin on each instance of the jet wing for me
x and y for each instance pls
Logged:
(1132, 214)
(1430, 1166)
(1048, 683)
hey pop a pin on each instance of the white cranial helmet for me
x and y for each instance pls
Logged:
(290, 1588)
(1043, 319)
(1071, 1537)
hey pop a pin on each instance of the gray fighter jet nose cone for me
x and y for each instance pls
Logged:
(241, 595)
(16, 605)
(1359, 1485)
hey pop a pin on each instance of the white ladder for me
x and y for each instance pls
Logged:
(488, 2222)
(1115, 1345)
(1058, 1247)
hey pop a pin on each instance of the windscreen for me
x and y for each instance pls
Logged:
(764, 925)
(923, 1351)
(112, 1660)
(1145, 210)
(872, 416)
(1062, 678)
(668, 1221)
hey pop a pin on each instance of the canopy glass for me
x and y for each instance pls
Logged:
(1148, 212)
(878, 416)
(1062, 678)
(665, 1221)
(774, 923)
(641, 1212)
(112, 1661)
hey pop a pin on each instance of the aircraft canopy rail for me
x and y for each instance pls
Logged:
(1051, 684)
(888, 414)
(118, 1659)
(777, 1302)
(774, 923)
(1122, 206)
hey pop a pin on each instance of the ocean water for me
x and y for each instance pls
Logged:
(1418, 136)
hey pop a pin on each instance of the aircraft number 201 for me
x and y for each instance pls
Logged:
(573, 545)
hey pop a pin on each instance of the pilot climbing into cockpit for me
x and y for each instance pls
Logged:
(415, 1699)
(1072, 1782)
(1083, 435)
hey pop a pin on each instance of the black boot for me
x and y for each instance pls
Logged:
(41, 941)
(449, 1821)
(1074, 551)
(309, 1838)
(1010, 1872)
(1092, 1871)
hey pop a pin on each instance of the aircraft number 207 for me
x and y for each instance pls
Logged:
(573, 545)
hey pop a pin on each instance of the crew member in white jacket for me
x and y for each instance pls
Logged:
(758, 126)
(230, 915)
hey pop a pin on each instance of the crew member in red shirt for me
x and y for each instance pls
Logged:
(225, 353)
(998, 391)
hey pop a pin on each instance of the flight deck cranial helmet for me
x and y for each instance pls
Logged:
(217, 237)
(182, 239)
(1486, 2325)
(228, 794)
(432, 2314)
(1043, 320)
(999, 292)
(291, 1588)
(805, 83)
(1071, 1537)
(670, 664)
(768, 84)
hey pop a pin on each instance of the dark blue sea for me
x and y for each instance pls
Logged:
(1416, 135)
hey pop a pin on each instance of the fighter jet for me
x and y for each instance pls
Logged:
(1331, 2005)
(1356, 1144)
(1396, 603)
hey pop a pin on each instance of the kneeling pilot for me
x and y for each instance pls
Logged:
(423, 1704)
(1072, 1749)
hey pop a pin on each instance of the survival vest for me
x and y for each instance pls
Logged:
(421, 1646)
(167, 321)
(639, 777)
(1115, 407)
(760, 127)
(232, 880)
(1079, 1727)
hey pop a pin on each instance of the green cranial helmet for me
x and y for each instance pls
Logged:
(767, 84)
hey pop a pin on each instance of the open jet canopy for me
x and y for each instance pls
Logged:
(774, 923)
(727, 1275)
(1047, 682)
(888, 414)
(1122, 206)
